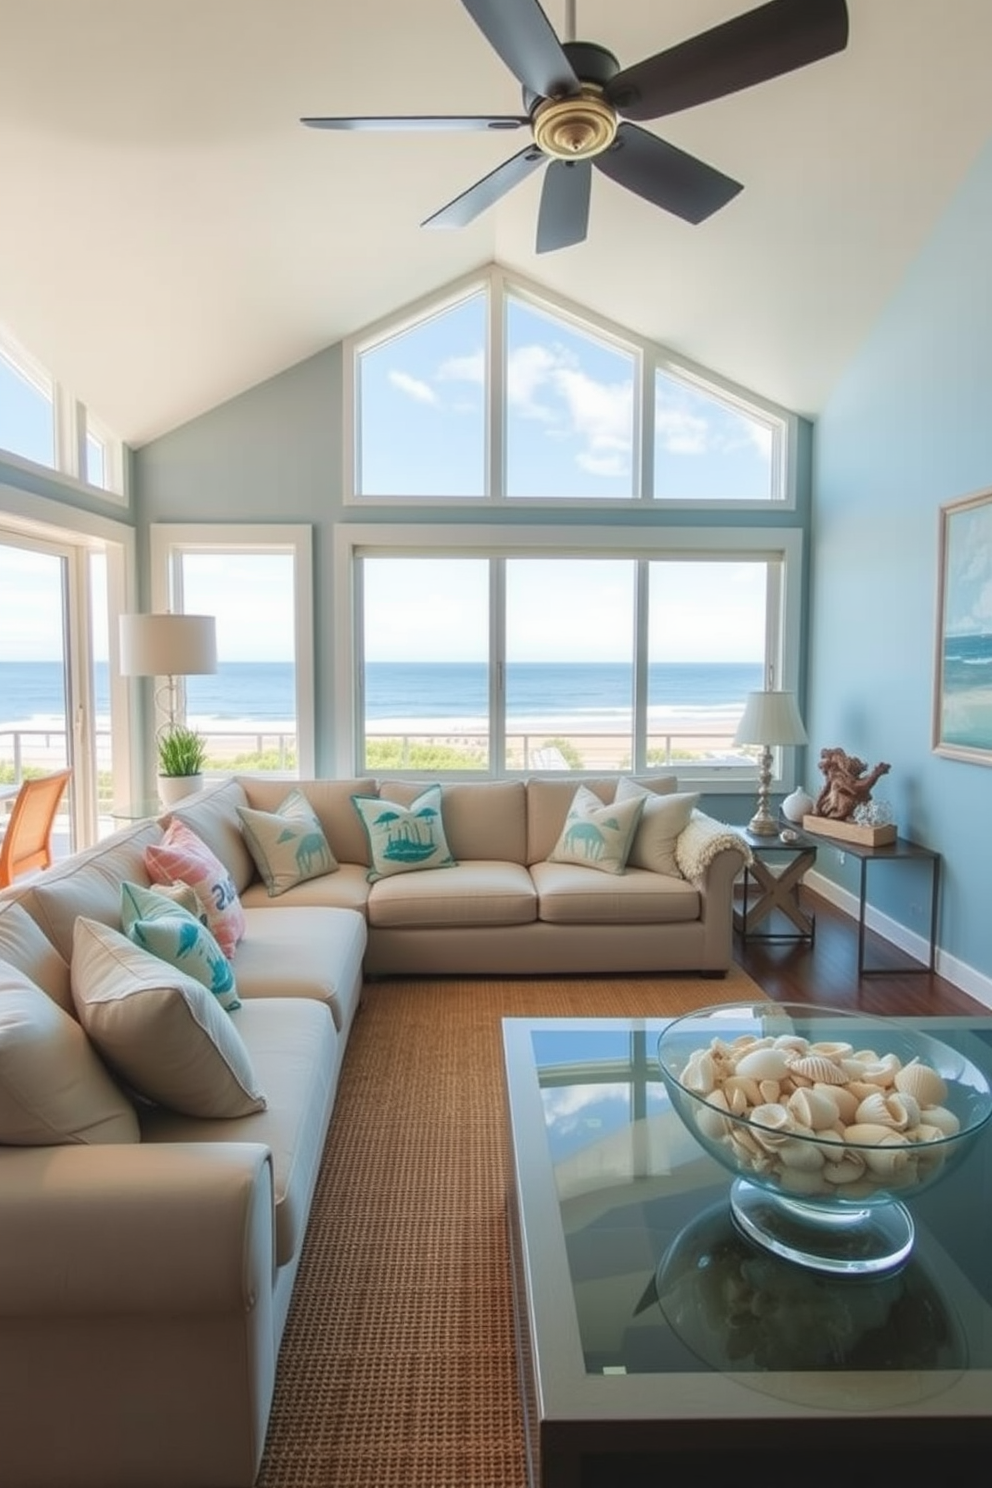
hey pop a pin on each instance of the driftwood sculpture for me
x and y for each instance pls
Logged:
(847, 786)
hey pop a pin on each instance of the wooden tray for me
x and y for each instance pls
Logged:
(847, 831)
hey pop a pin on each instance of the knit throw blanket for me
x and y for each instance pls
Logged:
(700, 842)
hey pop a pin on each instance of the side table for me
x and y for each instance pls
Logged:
(777, 883)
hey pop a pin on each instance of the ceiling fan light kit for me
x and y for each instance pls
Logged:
(579, 104)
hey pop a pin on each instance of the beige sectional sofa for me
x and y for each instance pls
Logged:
(145, 1278)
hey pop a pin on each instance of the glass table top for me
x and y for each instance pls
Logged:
(661, 1282)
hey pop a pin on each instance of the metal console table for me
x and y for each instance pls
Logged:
(901, 850)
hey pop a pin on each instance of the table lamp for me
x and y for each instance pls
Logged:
(169, 646)
(769, 718)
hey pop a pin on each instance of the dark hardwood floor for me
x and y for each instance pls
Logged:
(826, 971)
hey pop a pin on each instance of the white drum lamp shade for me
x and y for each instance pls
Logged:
(769, 718)
(168, 645)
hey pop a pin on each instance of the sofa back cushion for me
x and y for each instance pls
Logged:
(89, 883)
(548, 803)
(24, 945)
(331, 800)
(213, 816)
(54, 1089)
(482, 818)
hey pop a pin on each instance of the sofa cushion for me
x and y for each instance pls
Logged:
(595, 835)
(213, 816)
(473, 893)
(183, 856)
(162, 1032)
(54, 1089)
(295, 1052)
(346, 888)
(663, 819)
(548, 802)
(160, 924)
(303, 951)
(482, 818)
(404, 839)
(288, 844)
(24, 945)
(331, 800)
(570, 895)
(89, 883)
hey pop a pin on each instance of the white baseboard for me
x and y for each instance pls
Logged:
(973, 982)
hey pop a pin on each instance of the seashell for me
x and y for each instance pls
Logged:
(709, 1119)
(791, 1041)
(764, 1064)
(770, 1091)
(770, 1125)
(739, 1103)
(924, 1132)
(888, 1109)
(834, 1051)
(795, 1153)
(944, 1120)
(929, 1088)
(699, 1074)
(867, 1134)
(748, 1088)
(849, 1169)
(883, 1071)
(802, 1181)
(819, 1069)
(813, 1108)
(889, 1157)
(844, 1099)
(861, 1089)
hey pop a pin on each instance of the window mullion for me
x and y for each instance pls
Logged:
(497, 667)
(497, 392)
(641, 590)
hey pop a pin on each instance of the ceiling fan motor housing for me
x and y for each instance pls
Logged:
(581, 124)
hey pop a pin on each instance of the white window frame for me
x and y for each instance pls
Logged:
(169, 541)
(648, 357)
(353, 541)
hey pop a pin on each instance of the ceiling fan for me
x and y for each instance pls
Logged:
(578, 104)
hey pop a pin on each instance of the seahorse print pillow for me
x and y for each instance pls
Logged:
(597, 836)
(288, 844)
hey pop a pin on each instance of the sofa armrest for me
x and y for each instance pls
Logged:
(702, 841)
(151, 1228)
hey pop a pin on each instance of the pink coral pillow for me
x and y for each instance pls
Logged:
(183, 857)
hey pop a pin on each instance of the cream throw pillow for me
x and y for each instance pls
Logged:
(662, 820)
(597, 836)
(54, 1089)
(288, 844)
(160, 1030)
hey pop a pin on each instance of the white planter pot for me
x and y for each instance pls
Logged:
(172, 788)
(798, 805)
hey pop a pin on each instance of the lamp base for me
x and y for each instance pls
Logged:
(762, 825)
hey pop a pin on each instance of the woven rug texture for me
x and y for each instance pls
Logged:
(397, 1367)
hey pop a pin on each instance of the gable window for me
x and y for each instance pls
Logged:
(500, 393)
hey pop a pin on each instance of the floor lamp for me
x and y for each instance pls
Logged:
(769, 718)
(171, 647)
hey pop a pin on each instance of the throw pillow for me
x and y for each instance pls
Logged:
(161, 1031)
(54, 1089)
(288, 844)
(662, 820)
(597, 836)
(404, 838)
(184, 857)
(157, 923)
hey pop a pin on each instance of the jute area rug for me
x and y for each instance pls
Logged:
(397, 1367)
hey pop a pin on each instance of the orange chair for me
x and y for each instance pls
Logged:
(27, 842)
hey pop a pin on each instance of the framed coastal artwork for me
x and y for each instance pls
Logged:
(962, 712)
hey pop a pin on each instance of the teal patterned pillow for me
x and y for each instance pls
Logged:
(597, 836)
(161, 926)
(404, 838)
(288, 844)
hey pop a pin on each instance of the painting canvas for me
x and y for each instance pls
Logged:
(963, 686)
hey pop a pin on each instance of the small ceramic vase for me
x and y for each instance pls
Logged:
(798, 805)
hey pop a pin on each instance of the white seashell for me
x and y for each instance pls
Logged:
(770, 1125)
(888, 1157)
(939, 1116)
(739, 1103)
(819, 1069)
(867, 1134)
(849, 1169)
(802, 1181)
(834, 1051)
(813, 1108)
(764, 1064)
(883, 1071)
(929, 1088)
(795, 1153)
(889, 1109)
(844, 1099)
(861, 1089)
(709, 1119)
(699, 1074)
(770, 1091)
(791, 1041)
(749, 1088)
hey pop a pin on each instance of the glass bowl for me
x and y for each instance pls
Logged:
(828, 1120)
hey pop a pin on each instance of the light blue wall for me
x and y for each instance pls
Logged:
(908, 427)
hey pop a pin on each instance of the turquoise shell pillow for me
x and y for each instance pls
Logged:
(288, 844)
(597, 836)
(403, 839)
(161, 926)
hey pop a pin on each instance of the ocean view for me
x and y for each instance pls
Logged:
(593, 695)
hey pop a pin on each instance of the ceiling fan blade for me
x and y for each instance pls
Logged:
(487, 192)
(525, 39)
(765, 43)
(665, 175)
(423, 121)
(563, 218)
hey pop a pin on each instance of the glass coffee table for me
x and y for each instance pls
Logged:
(651, 1335)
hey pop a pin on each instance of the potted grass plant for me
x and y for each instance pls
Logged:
(182, 753)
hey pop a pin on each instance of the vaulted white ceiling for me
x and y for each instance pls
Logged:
(170, 234)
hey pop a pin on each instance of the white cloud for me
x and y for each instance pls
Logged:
(680, 432)
(414, 387)
(471, 368)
